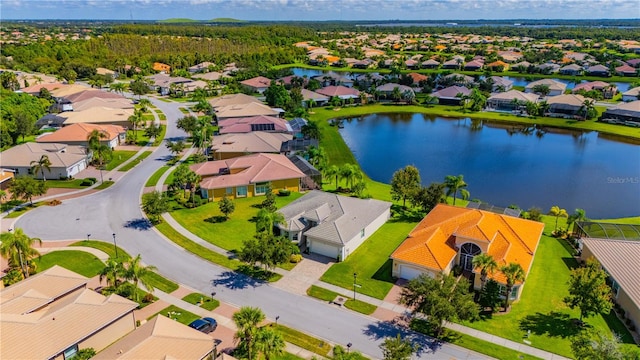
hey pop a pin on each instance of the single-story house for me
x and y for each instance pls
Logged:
(164, 84)
(474, 65)
(455, 63)
(501, 84)
(618, 259)
(626, 70)
(521, 66)
(430, 64)
(257, 84)
(631, 94)
(334, 79)
(245, 110)
(365, 81)
(114, 103)
(210, 76)
(627, 113)
(77, 134)
(160, 338)
(233, 99)
(50, 121)
(456, 79)
(228, 146)
(634, 62)
(201, 67)
(247, 176)
(290, 80)
(56, 305)
(450, 236)
(411, 64)
(340, 91)
(99, 115)
(598, 70)
(510, 100)
(417, 78)
(498, 66)
(318, 99)
(35, 89)
(571, 69)
(548, 68)
(105, 71)
(332, 225)
(608, 90)
(254, 123)
(363, 64)
(451, 95)
(567, 105)
(93, 94)
(66, 160)
(555, 87)
(160, 67)
(387, 90)
(67, 90)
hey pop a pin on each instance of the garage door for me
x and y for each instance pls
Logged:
(321, 248)
(409, 273)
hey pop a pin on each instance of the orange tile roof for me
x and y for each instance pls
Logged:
(432, 243)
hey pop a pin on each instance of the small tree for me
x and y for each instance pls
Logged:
(455, 184)
(175, 147)
(397, 348)
(490, 295)
(557, 212)
(227, 207)
(269, 202)
(514, 273)
(25, 187)
(155, 204)
(443, 298)
(41, 165)
(405, 183)
(428, 197)
(588, 290)
(85, 354)
(594, 345)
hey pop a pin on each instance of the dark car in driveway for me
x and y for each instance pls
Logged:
(205, 325)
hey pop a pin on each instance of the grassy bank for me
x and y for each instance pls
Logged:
(135, 161)
(153, 179)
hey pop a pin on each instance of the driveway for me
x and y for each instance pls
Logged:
(305, 274)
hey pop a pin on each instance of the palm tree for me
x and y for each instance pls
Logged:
(558, 212)
(311, 130)
(247, 320)
(135, 120)
(578, 215)
(192, 180)
(112, 272)
(455, 184)
(486, 264)
(144, 105)
(18, 249)
(40, 165)
(514, 273)
(94, 144)
(266, 220)
(137, 272)
(118, 87)
(333, 171)
(270, 343)
(587, 108)
(396, 94)
(311, 103)
(347, 172)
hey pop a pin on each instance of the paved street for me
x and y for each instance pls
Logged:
(116, 210)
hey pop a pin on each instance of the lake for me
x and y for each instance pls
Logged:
(501, 164)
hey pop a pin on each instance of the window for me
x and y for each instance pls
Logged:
(467, 252)
(241, 191)
(229, 191)
(70, 352)
(514, 291)
(261, 188)
(362, 233)
(295, 236)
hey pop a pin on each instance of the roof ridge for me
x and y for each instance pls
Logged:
(514, 233)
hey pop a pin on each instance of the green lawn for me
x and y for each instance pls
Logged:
(136, 161)
(104, 185)
(328, 295)
(66, 184)
(119, 156)
(184, 110)
(360, 306)
(83, 263)
(141, 138)
(541, 308)
(371, 260)
(207, 221)
(156, 280)
(22, 210)
(178, 314)
(321, 293)
(303, 340)
(204, 301)
(153, 179)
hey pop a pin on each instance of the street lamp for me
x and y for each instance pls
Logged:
(115, 246)
(213, 293)
(88, 236)
(355, 276)
(349, 345)
(277, 318)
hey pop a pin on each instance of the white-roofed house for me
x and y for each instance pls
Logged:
(332, 225)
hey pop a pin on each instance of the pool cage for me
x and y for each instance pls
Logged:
(601, 230)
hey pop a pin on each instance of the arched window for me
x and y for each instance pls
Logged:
(467, 252)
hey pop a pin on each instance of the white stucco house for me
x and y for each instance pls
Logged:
(332, 225)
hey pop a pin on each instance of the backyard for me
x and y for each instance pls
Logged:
(80, 262)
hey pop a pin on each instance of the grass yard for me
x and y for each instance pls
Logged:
(360, 306)
(22, 210)
(184, 110)
(136, 161)
(141, 138)
(303, 340)
(328, 295)
(83, 263)
(371, 260)
(161, 283)
(104, 185)
(541, 308)
(66, 184)
(180, 315)
(207, 221)
(153, 179)
(207, 302)
(321, 293)
(119, 156)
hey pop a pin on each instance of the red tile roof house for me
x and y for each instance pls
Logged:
(77, 134)
(608, 90)
(341, 92)
(247, 176)
(254, 123)
(626, 70)
(257, 84)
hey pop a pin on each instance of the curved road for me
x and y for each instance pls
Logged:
(117, 210)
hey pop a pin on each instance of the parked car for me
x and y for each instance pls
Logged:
(205, 325)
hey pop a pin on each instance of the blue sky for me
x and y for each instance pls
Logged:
(320, 9)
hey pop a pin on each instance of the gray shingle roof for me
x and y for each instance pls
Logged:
(339, 218)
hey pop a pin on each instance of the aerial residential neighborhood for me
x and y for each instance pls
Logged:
(303, 189)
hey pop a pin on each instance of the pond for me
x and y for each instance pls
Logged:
(517, 81)
(504, 164)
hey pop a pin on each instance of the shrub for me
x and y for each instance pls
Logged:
(87, 182)
(148, 298)
(54, 202)
(295, 258)
(284, 192)
(93, 180)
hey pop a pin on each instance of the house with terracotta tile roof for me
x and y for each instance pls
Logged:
(247, 176)
(160, 67)
(253, 123)
(228, 146)
(626, 70)
(555, 87)
(451, 236)
(340, 91)
(308, 95)
(233, 99)
(77, 134)
(66, 160)
(498, 66)
(114, 103)
(608, 90)
(53, 315)
(417, 78)
(160, 338)
(98, 115)
(257, 84)
(332, 225)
